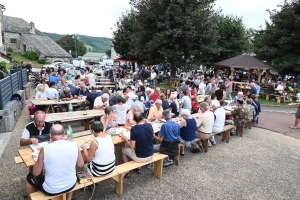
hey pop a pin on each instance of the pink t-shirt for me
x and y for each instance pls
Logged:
(229, 88)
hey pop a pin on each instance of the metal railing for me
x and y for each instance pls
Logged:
(11, 85)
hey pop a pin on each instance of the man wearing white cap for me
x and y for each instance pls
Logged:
(219, 114)
(239, 96)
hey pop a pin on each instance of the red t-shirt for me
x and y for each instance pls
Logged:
(154, 96)
(194, 105)
(193, 93)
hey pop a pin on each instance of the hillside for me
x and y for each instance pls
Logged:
(93, 44)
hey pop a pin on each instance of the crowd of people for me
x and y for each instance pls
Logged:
(130, 104)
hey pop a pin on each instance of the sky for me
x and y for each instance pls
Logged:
(97, 17)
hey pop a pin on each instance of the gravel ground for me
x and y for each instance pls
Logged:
(260, 165)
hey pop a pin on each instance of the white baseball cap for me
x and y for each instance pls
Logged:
(135, 97)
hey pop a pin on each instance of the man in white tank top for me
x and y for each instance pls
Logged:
(59, 159)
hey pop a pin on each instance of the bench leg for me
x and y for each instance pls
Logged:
(239, 131)
(119, 184)
(158, 167)
(226, 135)
(176, 159)
(267, 96)
(205, 144)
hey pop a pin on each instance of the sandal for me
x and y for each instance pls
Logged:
(127, 175)
(293, 127)
(138, 170)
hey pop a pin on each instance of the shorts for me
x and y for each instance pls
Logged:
(202, 135)
(131, 154)
(37, 181)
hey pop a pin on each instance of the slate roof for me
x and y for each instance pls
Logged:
(94, 55)
(244, 61)
(40, 41)
(17, 25)
(46, 46)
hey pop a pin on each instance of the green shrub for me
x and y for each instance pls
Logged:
(10, 49)
(42, 61)
(3, 68)
(31, 55)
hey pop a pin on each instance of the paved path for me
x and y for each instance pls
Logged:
(279, 119)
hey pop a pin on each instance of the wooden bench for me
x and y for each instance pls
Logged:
(118, 175)
(225, 136)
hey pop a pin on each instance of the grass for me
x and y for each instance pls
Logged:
(18, 58)
(166, 86)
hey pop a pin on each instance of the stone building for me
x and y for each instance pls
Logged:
(22, 36)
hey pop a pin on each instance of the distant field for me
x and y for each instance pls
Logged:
(18, 57)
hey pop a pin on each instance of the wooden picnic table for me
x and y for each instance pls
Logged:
(49, 103)
(77, 115)
(26, 154)
(244, 89)
(99, 86)
(105, 83)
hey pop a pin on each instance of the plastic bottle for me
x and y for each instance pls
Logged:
(70, 134)
(156, 121)
(113, 128)
(115, 93)
(56, 97)
(70, 109)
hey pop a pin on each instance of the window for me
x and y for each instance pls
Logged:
(13, 40)
(30, 49)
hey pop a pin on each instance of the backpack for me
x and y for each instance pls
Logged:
(16, 97)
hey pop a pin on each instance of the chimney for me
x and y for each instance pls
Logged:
(32, 28)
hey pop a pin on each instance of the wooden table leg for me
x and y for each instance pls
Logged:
(158, 167)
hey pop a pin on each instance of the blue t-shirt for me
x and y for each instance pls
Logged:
(252, 91)
(165, 105)
(143, 137)
(188, 133)
(174, 108)
(53, 79)
(170, 131)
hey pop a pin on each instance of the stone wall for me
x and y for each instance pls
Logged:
(12, 110)
(14, 46)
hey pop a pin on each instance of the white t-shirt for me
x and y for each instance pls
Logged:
(202, 87)
(92, 78)
(51, 92)
(153, 75)
(130, 95)
(187, 104)
(219, 120)
(98, 101)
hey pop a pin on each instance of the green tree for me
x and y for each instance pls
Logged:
(108, 52)
(279, 42)
(68, 43)
(177, 31)
(233, 37)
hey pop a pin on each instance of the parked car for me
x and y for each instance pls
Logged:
(99, 70)
(94, 62)
(54, 66)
